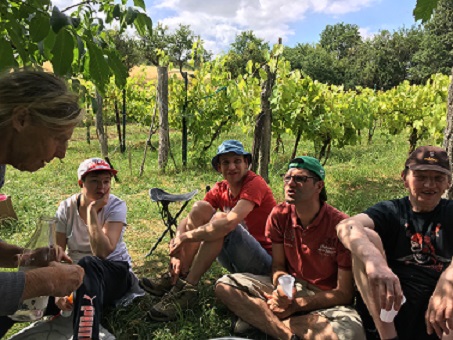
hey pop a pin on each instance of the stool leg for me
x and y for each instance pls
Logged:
(159, 240)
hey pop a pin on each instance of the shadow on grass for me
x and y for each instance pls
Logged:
(205, 320)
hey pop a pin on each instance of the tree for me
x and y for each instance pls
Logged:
(383, 61)
(36, 31)
(340, 38)
(245, 47)
(423, 11)
(127, 48)
(152, 45)
(316, 62)
(435, 55)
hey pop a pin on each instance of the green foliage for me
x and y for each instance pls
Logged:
(340, 38)
(383, 61)
(245, 47)
(435, 54)
(32, 32)
(177, 47)
(424, 9)
(316, 62)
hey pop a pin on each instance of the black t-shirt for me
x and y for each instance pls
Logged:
(418, 246)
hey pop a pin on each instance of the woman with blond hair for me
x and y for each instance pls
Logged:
(38, 115)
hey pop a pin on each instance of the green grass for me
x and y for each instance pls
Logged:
(357, 177)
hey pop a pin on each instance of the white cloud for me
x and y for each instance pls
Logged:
(218, 21)
(366, 34)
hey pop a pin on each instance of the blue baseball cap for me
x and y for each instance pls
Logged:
(227, 146)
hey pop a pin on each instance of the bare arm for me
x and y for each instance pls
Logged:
(357, 235)
(218, 228)
(61, 239)
(340, 295)
(9, 255)
(13, 256)
(278, 262)
(55, 280)
(439, 315)
(103, 238)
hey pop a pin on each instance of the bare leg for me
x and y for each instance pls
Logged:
(207, 254)
(311, 326)
(252, 310)
(200, 214)
(386, 330)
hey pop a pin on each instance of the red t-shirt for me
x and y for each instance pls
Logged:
(314, 253)
(254, 189)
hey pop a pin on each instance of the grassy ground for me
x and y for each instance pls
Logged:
(357, 177)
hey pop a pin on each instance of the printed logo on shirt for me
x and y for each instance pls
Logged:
(328, 248)
(423, 247)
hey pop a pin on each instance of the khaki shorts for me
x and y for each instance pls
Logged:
(345, 320)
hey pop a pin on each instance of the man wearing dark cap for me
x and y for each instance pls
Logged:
(305, 247)
(228, 225)
(402, 252)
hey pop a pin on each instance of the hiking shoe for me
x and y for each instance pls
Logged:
(240, 326)
(157, 287)
(181, 297)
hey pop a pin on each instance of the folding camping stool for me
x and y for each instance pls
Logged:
(163, 200)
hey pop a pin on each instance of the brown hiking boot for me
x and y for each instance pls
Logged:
(181, 297)
(157, 287)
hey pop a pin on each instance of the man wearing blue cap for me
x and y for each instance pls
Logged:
(305, 250)
(228, 225)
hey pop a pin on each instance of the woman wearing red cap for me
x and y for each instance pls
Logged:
(91, 225)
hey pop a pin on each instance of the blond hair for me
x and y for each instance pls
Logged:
(45, 96)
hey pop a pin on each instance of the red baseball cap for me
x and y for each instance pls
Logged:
(94, 164)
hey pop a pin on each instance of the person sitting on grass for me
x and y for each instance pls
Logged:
(234, 235)
(305, 247)
(403, 247)
(91, 225)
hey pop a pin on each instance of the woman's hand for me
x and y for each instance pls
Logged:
(65, 303)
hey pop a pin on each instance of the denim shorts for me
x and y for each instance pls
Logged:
(242, 253)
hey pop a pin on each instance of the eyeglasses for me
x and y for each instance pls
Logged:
(297, 178)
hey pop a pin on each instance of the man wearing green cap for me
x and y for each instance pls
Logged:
(304, 246)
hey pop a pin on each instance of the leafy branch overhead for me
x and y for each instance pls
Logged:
(74, 40)
(424, 9)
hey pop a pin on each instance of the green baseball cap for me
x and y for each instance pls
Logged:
(313, 165)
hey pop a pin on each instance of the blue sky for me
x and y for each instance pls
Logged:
(219, 21)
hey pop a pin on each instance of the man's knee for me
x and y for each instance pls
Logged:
(201, 213)
(222, 291)
(89, 262)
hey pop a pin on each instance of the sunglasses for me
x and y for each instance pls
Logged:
(297, 178)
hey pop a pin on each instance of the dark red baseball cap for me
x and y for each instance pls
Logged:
(429, 158)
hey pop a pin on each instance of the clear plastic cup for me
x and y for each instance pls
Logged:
(287, 283)
(389, 315)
